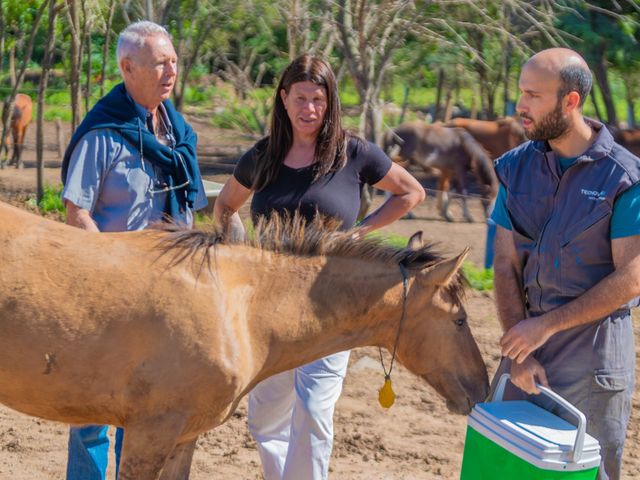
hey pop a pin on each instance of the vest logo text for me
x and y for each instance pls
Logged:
(593, 194)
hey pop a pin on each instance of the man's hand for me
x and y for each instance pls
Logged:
(525, 337)
(525, 375)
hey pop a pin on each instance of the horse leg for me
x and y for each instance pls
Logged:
(443, 197)
(178, 464)
(16, 140)
(465, 208)
(148, 442)
(462, 182)
(18, 136)
(4, 146)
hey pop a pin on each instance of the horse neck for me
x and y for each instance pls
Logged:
(302, 309)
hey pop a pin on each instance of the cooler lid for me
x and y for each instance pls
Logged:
(535, 434)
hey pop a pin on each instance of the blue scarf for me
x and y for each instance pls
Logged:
(117, 111)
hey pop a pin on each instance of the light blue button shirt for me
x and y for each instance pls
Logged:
(108, 177)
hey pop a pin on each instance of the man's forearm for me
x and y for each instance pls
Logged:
(507, 281)
(509, 298)
(79, 217)
(609, 294)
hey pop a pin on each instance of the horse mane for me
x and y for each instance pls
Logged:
(294, 235)
(481, 162)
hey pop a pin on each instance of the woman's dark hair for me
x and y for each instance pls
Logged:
(330, 154)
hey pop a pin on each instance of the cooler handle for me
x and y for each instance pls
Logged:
(582, 420)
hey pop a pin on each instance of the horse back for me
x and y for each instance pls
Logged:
(496, 137)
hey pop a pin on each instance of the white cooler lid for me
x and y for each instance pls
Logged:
(534, 434)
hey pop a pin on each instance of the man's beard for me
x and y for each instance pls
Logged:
(551, 127)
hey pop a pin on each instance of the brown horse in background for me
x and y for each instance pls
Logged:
(163, 333)
(629, 139)
(495, 136)
(20, 119)
(450, 151)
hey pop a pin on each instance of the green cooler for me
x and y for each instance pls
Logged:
(517, 440)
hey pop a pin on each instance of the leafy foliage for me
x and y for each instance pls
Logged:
(52, 200)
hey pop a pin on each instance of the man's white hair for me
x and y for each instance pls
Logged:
(132, 38)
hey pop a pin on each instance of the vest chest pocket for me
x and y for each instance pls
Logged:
(582, 226)
(520, 213)
(585, 252)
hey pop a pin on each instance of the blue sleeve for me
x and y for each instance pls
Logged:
(500, 215)
(625, 221)
(201, 198)
(88, 165)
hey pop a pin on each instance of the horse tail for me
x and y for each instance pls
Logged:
(480, 162)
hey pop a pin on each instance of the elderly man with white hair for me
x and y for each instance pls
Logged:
(131, 162)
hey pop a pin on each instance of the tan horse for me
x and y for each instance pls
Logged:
(20, 119)
(496, 137)
(452, 152)
(163, 333)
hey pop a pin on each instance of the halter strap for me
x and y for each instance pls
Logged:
(405, 291)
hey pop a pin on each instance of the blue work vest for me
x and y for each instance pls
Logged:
(561, 230)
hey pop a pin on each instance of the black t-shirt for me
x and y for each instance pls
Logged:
(335, 195)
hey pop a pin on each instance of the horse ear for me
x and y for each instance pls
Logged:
(415, 242)
(443, 272)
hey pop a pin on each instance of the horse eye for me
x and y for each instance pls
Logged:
(460, 322)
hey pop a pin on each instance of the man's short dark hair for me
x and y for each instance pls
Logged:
(575, 78)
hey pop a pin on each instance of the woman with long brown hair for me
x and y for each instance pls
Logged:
(311, 165)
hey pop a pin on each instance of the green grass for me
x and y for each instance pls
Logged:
(480, 279)
(390, 239)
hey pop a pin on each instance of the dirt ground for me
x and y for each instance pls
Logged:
(416, 439)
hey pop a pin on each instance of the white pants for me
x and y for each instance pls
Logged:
(291, 418)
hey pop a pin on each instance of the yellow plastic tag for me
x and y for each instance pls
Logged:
(386, 397)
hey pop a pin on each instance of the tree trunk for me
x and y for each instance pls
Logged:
(507, 109)
(85, 42)
(74, 73)
(44, 78)
(87, 88)
(293, 19)
(448, 105)
(631, 118)
(594, 101)
(105, 47)
(405, 104)
(12, 66)
(600, 71)
(2, 37)
(440, 86)
(148, 4)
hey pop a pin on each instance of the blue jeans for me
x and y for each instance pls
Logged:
(88, 452)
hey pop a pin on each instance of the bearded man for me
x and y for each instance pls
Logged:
(567, 254)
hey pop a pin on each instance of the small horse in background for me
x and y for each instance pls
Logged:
(164, 332)
(450, 151)
(20, 119)
(495, 136)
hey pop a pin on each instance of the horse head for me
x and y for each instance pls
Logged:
(436, 342)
